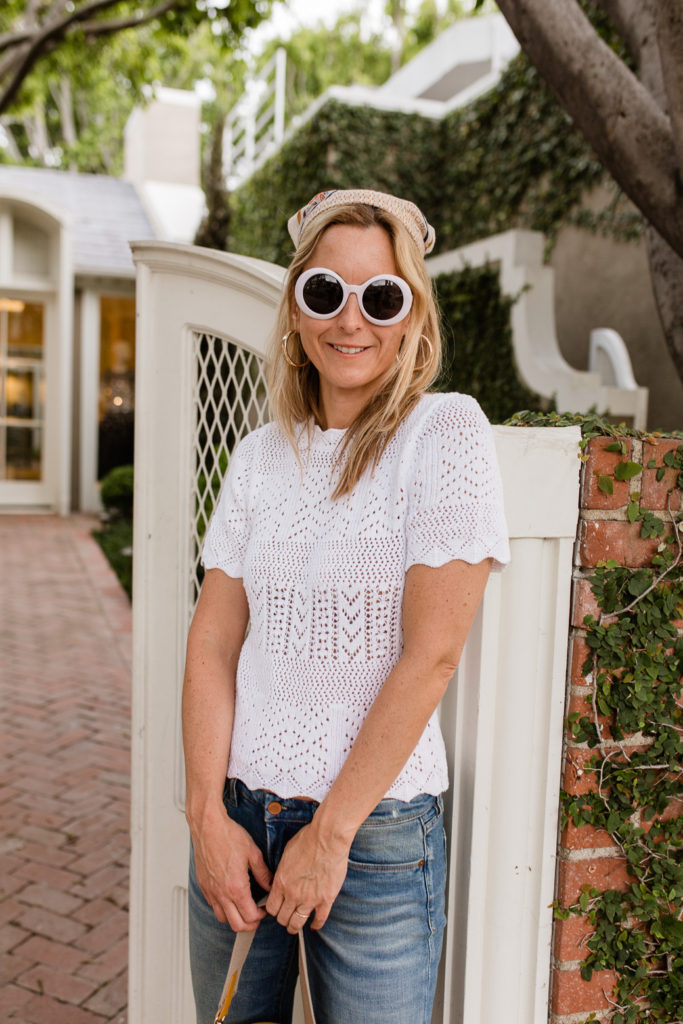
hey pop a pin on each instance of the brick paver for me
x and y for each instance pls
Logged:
(64, 785)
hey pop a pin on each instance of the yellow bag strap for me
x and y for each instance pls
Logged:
(240, 950)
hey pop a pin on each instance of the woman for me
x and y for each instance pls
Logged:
(355, 535)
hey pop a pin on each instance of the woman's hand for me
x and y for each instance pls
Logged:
(308, 879)
(224, 855)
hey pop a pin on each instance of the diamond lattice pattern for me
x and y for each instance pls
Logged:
(229, 401)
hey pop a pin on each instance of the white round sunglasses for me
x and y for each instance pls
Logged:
(384, 299)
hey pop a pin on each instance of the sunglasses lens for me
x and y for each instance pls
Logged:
(383, 300)
(323, 294)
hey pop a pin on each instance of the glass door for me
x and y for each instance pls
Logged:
(22, 390)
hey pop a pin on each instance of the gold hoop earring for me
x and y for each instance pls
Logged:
(423, 337)
(288, 358)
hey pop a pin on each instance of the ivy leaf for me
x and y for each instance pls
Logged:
(613, 821)
(616, 446)
(633, 511)
(626, 470)
(672, 929)
(660, 473)
(605, 484)
(639, 584)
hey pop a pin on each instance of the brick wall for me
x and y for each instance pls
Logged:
(587, 855)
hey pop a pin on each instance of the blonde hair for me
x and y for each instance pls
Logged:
(294, 392)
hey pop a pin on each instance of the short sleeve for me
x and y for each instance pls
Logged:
(455, 506)
(226, 539)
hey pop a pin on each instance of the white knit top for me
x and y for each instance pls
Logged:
(324, 580)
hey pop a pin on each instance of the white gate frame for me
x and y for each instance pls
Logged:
(502, 721)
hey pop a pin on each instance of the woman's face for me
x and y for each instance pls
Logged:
(352, 355)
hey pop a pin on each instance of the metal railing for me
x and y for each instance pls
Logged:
(255, 126)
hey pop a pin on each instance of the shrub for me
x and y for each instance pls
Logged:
(116, 491)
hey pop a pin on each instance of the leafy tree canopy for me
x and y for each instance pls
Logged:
(71, 72)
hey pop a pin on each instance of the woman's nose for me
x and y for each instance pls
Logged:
(351, 317)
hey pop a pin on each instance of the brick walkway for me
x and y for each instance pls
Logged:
(64, 787)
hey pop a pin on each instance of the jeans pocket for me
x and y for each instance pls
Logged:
(389, 845)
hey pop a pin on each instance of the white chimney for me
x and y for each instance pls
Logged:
(162, 161)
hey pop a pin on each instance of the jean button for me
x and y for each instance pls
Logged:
(274, 807)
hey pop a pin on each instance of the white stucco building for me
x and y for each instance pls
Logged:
(67, 304)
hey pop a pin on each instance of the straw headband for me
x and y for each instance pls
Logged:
(408, 213)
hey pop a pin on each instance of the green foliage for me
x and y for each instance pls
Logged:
(509, 159)
(478, 353)
(116, 540)
(635, 668)
(320, 56)
(592, 425)
(116, 491)
(73, 106)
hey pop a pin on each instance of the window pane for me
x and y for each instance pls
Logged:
(25, 329)
(23, 453)
(23, 394)
(22, 389)
(117, 382)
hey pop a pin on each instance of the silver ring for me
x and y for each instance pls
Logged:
(305, 916)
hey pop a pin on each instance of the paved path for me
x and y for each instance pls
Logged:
(64, 783)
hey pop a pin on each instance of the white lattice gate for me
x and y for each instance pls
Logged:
(203, 321)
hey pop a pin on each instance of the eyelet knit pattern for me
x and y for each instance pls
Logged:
(325, 579)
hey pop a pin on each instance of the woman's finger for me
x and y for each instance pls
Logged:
(321, 915)
(297, 921)
(240, 918)
(259, 868)
(274, 903)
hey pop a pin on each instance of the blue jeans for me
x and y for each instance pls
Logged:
(376, 958)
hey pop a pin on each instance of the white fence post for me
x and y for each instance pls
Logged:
(200, 314)
(203, 319)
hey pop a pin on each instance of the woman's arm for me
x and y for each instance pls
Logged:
(439, 606)
(224, 852)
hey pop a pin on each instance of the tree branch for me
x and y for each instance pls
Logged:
(56, 21)
(635, 24)
(17, 64)
(632, 22)
(669, 28)
(612, 109)
(101, 28)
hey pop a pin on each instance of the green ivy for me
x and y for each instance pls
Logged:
(477, 340)
(634, 669)
(511, 158)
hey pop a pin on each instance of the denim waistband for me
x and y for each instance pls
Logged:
(387, 809)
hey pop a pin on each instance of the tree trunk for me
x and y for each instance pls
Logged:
(612, 109)
(61, 93)
(666, 270)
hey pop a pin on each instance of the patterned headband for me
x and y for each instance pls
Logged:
(408, 213)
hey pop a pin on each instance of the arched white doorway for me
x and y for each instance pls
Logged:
(36, 301)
